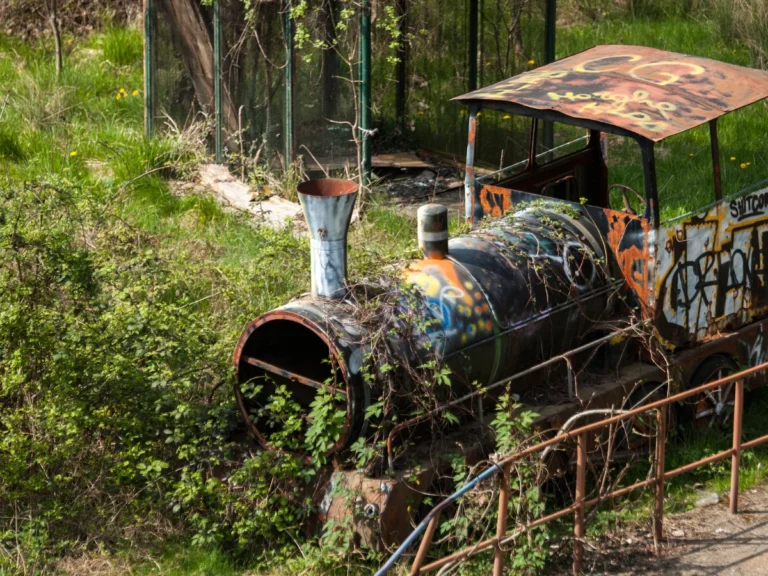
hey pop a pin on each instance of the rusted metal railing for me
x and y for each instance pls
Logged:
(580, 504)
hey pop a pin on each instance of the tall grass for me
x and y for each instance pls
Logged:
(744, 22)
(122, 46)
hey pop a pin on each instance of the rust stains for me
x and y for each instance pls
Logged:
(628, 238)
(649, 92)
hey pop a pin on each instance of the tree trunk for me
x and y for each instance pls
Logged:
(194, 40)
(53, 14)
(517, 28)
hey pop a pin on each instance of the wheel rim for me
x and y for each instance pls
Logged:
(712, 406)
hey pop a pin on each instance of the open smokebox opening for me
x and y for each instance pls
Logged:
(282, 367)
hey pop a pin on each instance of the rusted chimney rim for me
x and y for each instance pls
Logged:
(327, 188)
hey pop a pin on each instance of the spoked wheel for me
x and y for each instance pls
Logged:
(714, 407)
(635, 433)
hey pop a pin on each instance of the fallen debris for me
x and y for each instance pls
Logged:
(274, 211)
(707, 499)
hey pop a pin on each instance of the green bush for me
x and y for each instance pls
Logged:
(111, 351)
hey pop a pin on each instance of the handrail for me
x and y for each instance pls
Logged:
(432, 518)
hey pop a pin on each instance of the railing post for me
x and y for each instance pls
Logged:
(581, 489)
(661, 439)
(421, 555)
(738, 414)
(501, 522)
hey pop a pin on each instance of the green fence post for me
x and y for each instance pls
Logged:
(149, 112)
(290, 60)
(365, 86)
(472, 51)
(217, 77)
(548, 133)
(401, 66)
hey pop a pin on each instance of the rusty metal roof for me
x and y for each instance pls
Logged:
(649, 92)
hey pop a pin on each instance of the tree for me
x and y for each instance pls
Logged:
(54, 19)
(193, 38)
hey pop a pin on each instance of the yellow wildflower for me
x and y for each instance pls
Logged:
(479, 114)
(691, 154)
(122, 90)
(748, 163)
(118, 97)
(487, 62)
(507, 117)
(743, 165)
(531, 62)
(73, 154)
(733, 158)
(135, 92)
(462, 112)
(421, 113)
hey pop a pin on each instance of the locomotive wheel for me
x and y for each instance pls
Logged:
(713, 407)
(637, 431)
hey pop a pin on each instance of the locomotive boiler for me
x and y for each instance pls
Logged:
(507, 295)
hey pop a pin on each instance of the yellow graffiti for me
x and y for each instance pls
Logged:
(618, 105)
(695, 70)
(582, 67)
(521, 82)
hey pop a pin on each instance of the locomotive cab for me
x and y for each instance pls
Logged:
(691, 277)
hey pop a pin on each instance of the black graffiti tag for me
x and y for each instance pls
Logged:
(712, 275)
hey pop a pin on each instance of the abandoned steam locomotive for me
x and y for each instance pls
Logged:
(549, 263)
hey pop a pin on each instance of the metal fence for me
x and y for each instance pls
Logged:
(357, 80)
(503, 538)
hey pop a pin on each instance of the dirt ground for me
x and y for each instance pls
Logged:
(702, 541)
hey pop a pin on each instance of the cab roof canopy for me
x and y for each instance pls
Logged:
(643, 91)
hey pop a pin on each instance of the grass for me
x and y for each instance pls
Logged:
(87, 128)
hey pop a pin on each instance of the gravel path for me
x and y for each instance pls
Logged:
(702, 541)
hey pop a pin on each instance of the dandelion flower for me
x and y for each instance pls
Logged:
(743, 165)
(507, 117)
(73, 154)
(122, 90)
(135, 92)
(479, 114)
(733, 158)
(531, 62)
(691, 154)
(748, 163)
(117, 97)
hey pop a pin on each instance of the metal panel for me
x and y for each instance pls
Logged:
(711, 269)
(648, 92)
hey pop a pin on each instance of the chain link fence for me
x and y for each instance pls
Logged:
(290, 74)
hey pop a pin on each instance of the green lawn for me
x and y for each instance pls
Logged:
(182, 276)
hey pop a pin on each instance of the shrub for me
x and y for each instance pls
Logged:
(111, 353)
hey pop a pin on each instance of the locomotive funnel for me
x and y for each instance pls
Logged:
(328, 208)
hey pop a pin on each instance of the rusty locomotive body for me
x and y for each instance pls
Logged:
(549, 267)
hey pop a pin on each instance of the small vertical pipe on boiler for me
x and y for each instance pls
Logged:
(432, 231)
